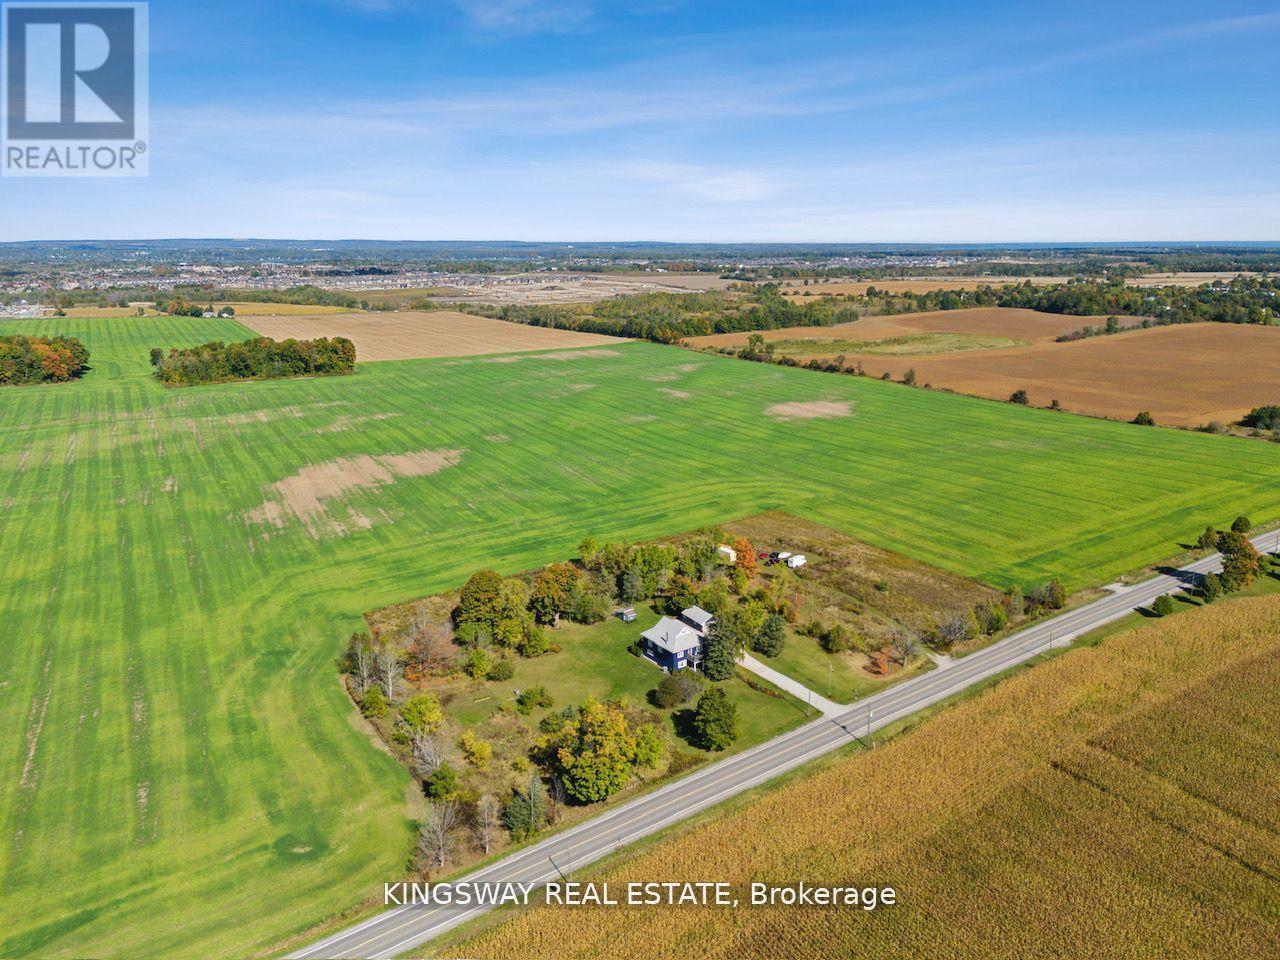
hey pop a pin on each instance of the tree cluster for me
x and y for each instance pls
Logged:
(26, 359)
(259, 358)
(670, 317)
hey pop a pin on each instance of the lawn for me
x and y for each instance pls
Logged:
(837, 677)
(181, 567)
(593, 662)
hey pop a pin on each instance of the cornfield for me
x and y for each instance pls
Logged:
(1121, 801)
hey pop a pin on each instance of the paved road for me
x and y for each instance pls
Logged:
(397, 930)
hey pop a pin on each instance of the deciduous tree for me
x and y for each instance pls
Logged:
(593, 753)
(553, 588)
(485, 821)
(435, 836)
(745, 555)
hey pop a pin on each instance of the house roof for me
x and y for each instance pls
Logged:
(697, 616)
(672, 635)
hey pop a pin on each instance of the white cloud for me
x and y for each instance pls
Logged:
(703, 182)
(527, 16)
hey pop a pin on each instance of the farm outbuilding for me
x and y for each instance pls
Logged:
(727, 553)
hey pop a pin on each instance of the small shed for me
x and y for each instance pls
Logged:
(627, 614)
(796, 560)
(727, 553)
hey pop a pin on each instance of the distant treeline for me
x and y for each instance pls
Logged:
(305, 294)
(1109, 264)
(670, 317)
(41, 359)
(1243, 300)
(260, 358)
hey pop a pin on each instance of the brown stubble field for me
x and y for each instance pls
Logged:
(1185, 375)
(1010, 322)
(433, 333)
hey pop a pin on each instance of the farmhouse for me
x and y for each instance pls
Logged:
(674, 644)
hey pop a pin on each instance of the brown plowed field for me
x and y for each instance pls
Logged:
(433, 333)
(1184, 375)
(984, 321)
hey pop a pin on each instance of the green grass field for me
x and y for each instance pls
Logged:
(181, 775)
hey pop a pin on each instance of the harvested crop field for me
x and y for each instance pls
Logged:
(1185, 375)
(433, 333)
(1008, 322)
(257, 308)
(1121, 796)
(1192, 279)
(913, 345)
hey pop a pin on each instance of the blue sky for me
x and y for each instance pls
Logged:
(670, 120)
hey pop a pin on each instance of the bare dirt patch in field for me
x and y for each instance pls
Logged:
(810, 410)
(307, 494)
(434, 333)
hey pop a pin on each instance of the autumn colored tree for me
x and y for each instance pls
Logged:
(746, 556)
(421, 713)
(594, 752)
(41, 359)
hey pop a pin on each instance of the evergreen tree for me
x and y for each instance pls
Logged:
(721, 649)
(772, 636)
(715, 720)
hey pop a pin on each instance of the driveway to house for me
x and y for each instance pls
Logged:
(828, 708)
(393, 932)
